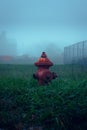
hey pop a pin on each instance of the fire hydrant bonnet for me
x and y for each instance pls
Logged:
(43, 61)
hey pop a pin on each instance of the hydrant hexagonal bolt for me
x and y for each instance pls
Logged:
(43, 74)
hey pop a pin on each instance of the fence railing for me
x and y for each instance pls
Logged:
(75, 53)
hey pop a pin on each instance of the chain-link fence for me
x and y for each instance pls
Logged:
(76, 53)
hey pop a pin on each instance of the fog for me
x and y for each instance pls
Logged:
(7, 46)
(33, 26)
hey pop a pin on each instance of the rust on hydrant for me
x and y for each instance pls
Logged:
(43, 74)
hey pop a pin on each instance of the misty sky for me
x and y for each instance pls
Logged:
(38, 24)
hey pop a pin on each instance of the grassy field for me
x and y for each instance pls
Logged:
(60, 106)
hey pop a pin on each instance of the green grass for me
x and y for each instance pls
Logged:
(60, 106)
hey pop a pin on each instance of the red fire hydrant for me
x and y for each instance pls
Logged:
(43, 74)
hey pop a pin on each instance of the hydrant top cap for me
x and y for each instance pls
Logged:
(44, 55)
(43, 60)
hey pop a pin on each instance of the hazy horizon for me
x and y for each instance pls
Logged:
(47, 25)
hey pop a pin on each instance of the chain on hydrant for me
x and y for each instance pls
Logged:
(43, 74)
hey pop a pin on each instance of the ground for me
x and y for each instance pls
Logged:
(61, 105)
